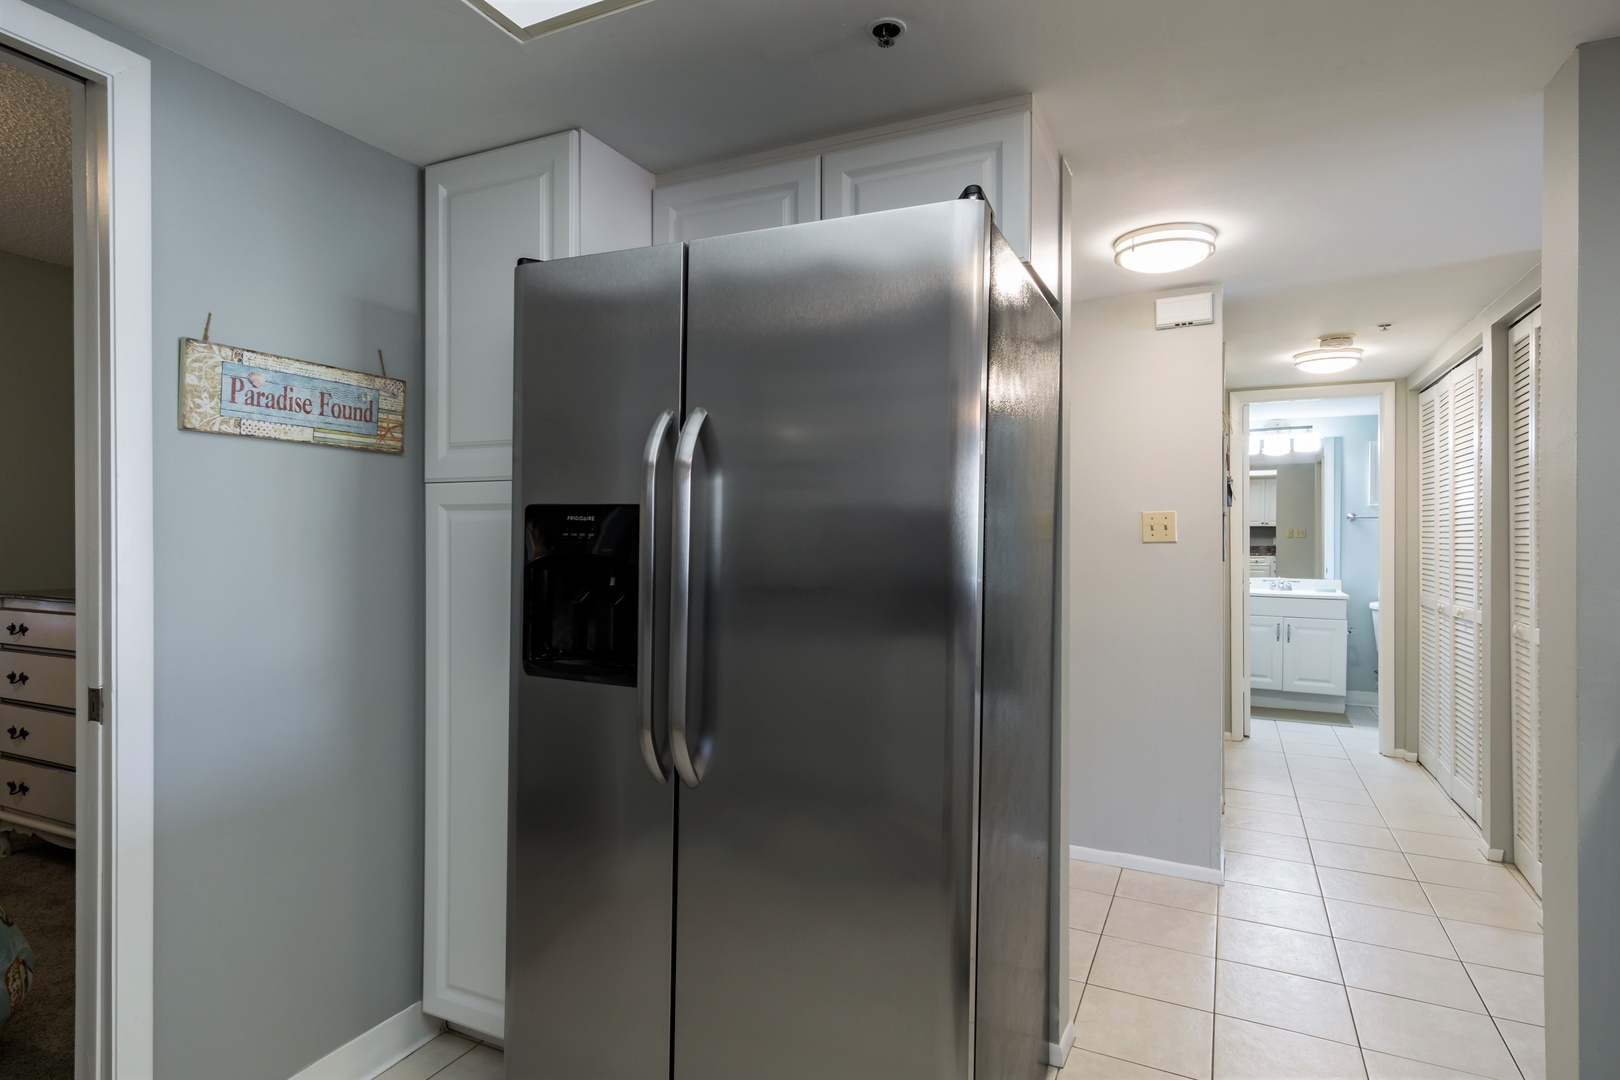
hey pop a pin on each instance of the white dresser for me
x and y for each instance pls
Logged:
(38, 722)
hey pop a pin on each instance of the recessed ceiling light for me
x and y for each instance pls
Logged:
(1161, 249)
(529, 19)
(1336, 353)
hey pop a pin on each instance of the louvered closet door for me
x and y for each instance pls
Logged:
(1450, 677)
(1524, 420)
(1467, 660)
(1430, 717)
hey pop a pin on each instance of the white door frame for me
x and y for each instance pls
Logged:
(1238, 523)
(113, 469)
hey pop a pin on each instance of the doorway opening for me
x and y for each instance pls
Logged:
(1312, 558)
(89, 641)
(39, 717)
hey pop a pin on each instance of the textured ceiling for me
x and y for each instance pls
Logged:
(36, 167)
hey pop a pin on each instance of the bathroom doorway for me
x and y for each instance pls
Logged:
(1311, 534)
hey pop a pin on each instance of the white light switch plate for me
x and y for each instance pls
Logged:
(1158, 526)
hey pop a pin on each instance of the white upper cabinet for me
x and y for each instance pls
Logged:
(563, 195)
(1010, 156)
(1005, 149)
(783, 194)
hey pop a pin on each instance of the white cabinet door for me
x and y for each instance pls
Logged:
(935, 166)
(1315, 655)
(765, 198)
(469, 586)
(1263, 500)
(1265, 652)
(483, 214)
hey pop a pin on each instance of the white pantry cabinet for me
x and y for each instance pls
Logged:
(565, 194)
(787, 193)
(469, 555)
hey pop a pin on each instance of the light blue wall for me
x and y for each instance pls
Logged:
(288, 636)
(1358, 540)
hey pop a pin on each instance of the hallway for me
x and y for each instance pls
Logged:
(1361, 933)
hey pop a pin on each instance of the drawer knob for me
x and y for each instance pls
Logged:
(17, 787)
(17, 679)
(17, 629)
(17, 733)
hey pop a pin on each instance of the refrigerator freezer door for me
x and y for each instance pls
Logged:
(592, 830)
(825, 894)
(1016, 747)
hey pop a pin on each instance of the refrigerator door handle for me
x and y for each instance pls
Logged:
(662, 430)
(680, 599)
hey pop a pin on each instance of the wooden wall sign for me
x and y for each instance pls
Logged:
(231, 391)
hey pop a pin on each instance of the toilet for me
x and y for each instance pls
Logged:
(1373, 606)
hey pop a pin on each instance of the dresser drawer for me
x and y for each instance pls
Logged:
(37, 629)
(33, 733)
(36, 789)
(41, 680)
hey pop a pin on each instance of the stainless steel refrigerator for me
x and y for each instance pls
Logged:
(782, 709)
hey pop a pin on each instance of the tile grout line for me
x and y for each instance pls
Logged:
(1407, 859)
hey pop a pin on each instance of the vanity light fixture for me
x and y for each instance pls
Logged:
(1336, 353)
(529, 19)
(1162, 249)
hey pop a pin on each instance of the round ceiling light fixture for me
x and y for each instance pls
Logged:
(1336, 353)
(1163, 249)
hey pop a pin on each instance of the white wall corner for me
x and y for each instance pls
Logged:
(1213, 875)
(1057, 1054)
(373, 1052)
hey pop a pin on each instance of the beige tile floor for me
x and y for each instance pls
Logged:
(1361, 935)
(450, 1057)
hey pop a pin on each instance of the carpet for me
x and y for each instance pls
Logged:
(37, 891)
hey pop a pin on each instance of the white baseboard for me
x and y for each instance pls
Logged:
(1362, 697)
(1408, 755)
(1057, 1054)
(1260, 699)
(1147, 865)
(374, 1051)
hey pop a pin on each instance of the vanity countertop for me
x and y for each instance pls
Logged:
(1301, 588)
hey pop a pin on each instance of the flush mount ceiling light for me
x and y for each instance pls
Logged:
(1336, 353)
(529, 19)
(1161, 249)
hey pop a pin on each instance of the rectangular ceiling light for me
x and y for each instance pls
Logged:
(529, 19)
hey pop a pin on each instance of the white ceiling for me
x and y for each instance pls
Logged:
(36, 167)
(1334, 143)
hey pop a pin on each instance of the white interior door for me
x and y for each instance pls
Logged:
(1524, 419)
